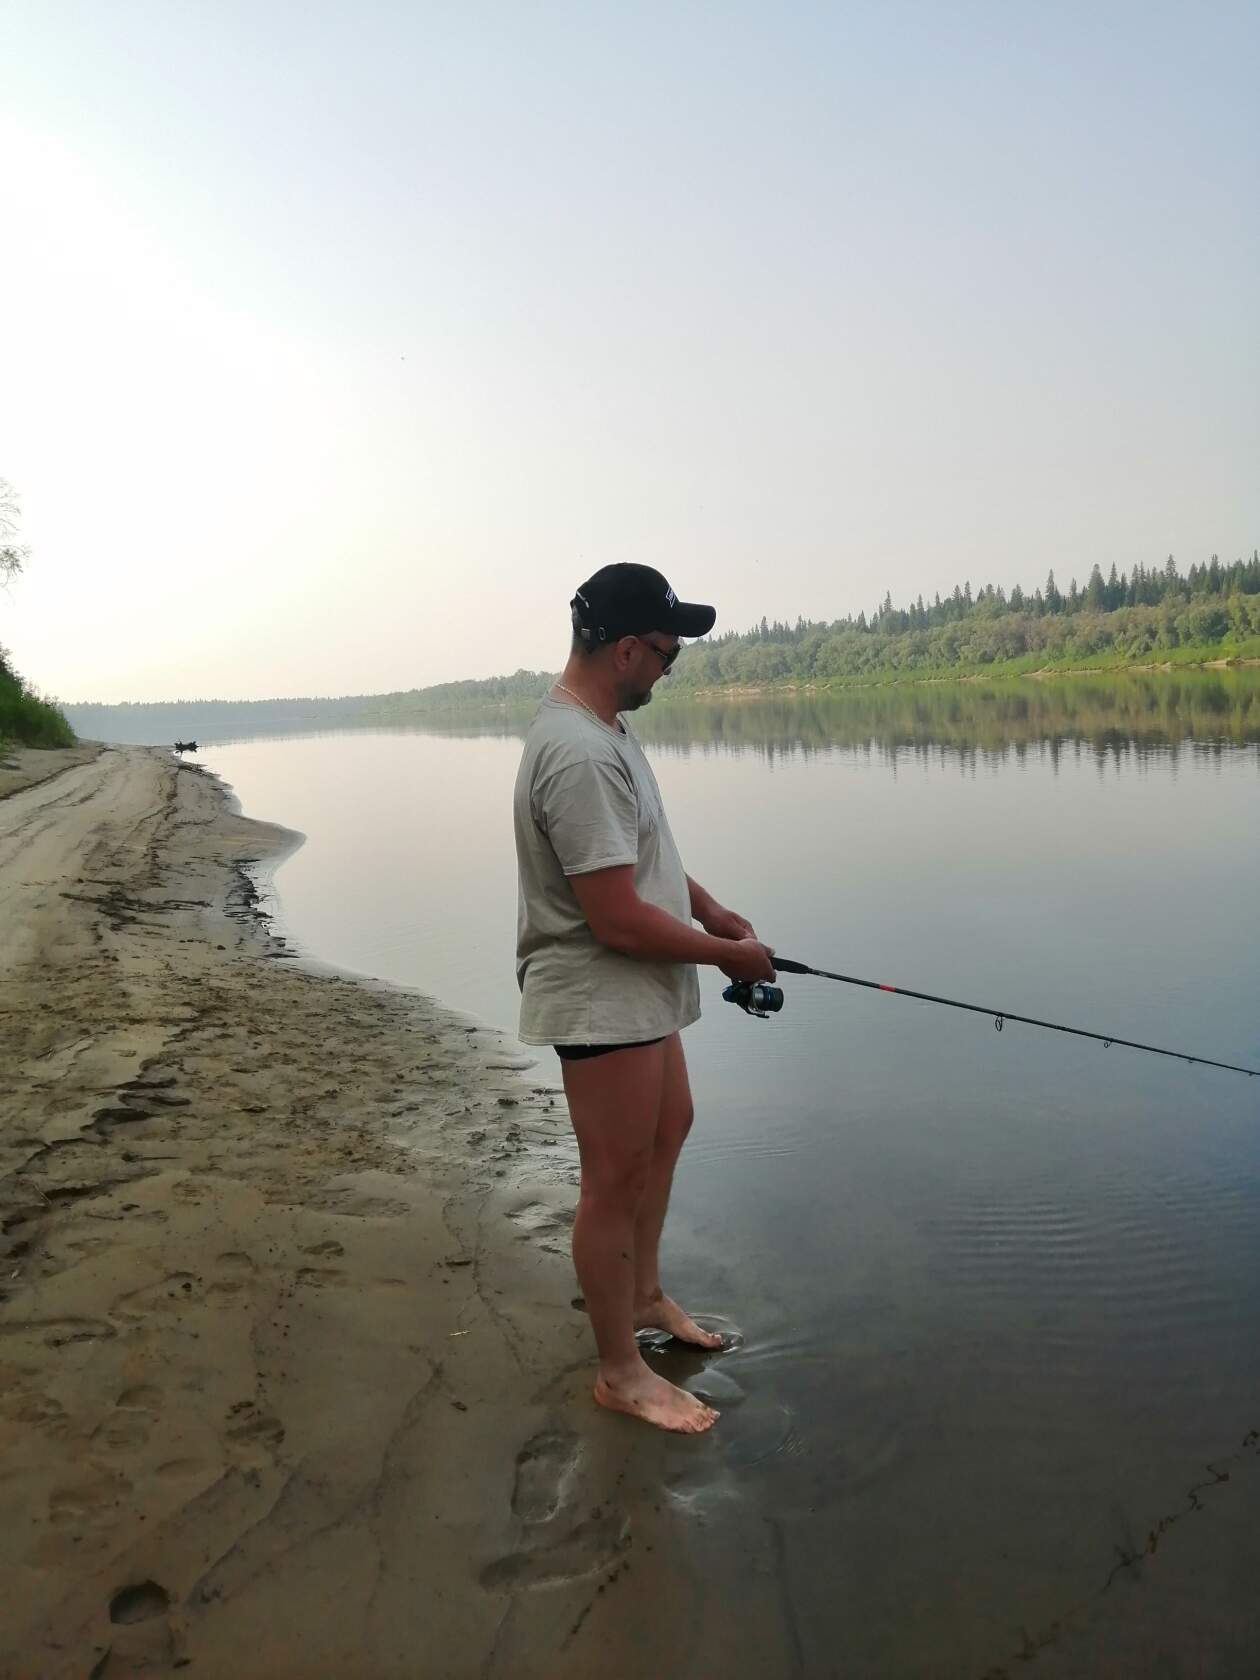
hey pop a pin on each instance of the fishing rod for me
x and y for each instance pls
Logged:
(759, 999)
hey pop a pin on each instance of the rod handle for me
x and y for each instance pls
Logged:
(785, 965)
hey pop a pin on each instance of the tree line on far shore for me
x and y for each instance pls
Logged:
(1145, 615)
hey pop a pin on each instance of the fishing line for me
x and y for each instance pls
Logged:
(757, 998)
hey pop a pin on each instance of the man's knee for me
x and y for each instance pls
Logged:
(618, 1183)
(675, 1123)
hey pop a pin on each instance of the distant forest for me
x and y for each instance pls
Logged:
(1149, 616)
(1146, 616)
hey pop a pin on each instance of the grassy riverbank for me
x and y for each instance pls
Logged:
(26, 719)
(519, 694)
(1197, 656)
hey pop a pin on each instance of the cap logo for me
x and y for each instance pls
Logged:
(670, 597)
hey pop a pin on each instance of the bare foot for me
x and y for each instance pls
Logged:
(661, 1313)
(643, 1394)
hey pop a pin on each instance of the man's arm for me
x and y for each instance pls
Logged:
(702, 902)
(715, 918)
(620, 919)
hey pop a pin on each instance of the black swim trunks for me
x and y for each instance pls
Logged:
(583, 1052)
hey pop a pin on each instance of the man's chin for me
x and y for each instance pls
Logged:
(634, 701)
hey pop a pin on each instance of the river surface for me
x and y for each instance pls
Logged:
(1000, 1293)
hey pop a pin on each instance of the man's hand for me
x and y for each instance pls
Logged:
(751, 960)
(725, 924)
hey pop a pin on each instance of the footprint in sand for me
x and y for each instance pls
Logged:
(142, 1639)
(544, 1467)
(88, 1245)
(90, 1502)
(59, 1332)
(589, 1549)
(171, 1295)
(144, 1397)
(123, 1432)
(39, 1410)
(544, 1497)
(132, 1420)
(537, 1220)
(547, 1226)
(318, 1277)
(139, 1603)
(179, 1469)
(247, 1425)
(134, 1214)
(236, 1275)
(355, 1204)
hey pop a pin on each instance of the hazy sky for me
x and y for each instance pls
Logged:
(340, 342)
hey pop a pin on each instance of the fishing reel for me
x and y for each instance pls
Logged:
(755, 997)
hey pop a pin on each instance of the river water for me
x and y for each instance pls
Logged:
(999, 1293)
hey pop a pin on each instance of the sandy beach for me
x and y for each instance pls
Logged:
(292, 1379)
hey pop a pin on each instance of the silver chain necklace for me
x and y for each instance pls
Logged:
(582, 703)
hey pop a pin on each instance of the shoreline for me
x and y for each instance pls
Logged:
(291, 1380)
(474, 711)
(1044, 673)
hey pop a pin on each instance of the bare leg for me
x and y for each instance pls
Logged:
(614, 1103)
(653, 1309)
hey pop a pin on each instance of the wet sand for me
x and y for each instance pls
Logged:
(291, 1379)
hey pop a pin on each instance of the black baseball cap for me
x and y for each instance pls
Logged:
(626, 600)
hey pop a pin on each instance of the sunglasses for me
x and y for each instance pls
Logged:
(666, 656)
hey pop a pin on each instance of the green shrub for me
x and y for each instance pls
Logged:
(27, 719)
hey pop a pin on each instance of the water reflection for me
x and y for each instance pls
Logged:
(1120, 719)
(1117, 718)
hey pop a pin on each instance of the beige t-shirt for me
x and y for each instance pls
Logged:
(586, 799)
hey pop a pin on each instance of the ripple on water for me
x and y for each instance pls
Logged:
(717, 1388)
(852, 1418)
(1151, 1261)
(793, 1133)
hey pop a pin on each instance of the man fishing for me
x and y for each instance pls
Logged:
(606, 955)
